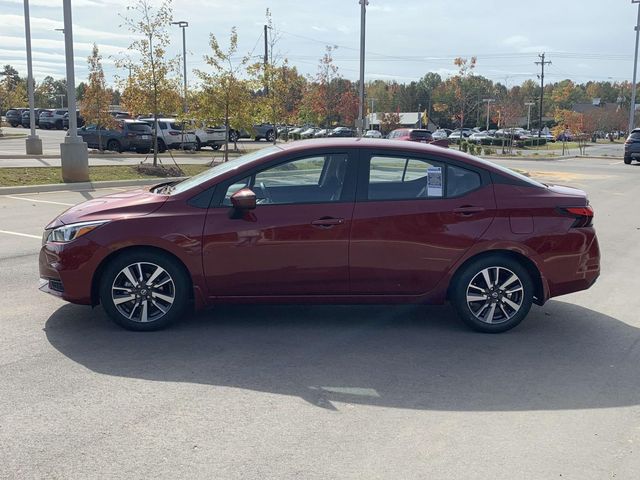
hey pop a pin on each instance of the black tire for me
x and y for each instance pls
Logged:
(215, 146)
(627, 160)
(233, 136)
(59, 125)
(162, 147)
(493, 301)
(198, 144)
(176, 286)
(114, 146)
(270, 136)
(14, 125)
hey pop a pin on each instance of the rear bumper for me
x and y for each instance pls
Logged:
(572, 272)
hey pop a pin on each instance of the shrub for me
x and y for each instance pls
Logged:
(464, 146)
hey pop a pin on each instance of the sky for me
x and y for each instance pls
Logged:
(584, 39)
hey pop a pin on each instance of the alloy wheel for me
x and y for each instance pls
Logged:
(143, 292)
(495, 295)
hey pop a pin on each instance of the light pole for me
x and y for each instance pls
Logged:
(182, 24)
(33, 144)
(73, 152)
(488, 100)
(363, 15)
(632, 113)
(529, 104)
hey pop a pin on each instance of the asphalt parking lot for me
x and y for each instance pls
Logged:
(325, 392)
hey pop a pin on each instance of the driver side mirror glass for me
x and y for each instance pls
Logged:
(244, 199)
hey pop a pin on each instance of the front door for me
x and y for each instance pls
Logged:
(413, 219)
(296, 241)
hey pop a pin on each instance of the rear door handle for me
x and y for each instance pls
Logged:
(327, 222)
(468, 210)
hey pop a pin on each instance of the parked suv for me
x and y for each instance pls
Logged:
(65, 120)
(209, 136)
(53, 119)
(172, 134)
(632, 146)
(264, 130)
(26, 117)
(411, 134)
(128, 135)
(14, 116)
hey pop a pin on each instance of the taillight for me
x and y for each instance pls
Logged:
(583, 215)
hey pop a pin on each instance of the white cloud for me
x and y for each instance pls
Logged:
(41, 24)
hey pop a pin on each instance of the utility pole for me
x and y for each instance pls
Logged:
(33, 144)
(529, 104)
(542, 63)
(632, 113)
(488, 100)
(363, 15)
(73, 152)
(419, 115)
(182, 24)
(266, 59)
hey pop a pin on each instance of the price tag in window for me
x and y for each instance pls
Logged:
(434, 182)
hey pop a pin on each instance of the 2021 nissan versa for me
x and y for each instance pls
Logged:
(327, 221)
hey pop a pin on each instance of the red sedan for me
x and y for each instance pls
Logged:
(328, 221)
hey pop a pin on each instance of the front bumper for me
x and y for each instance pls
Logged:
(67, 270)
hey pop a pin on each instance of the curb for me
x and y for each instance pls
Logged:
(83, 186)
(536, 158)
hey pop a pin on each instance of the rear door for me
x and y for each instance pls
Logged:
(414, 217)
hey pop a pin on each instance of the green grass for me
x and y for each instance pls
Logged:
(10, 177)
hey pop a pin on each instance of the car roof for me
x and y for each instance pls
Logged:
(385, 144)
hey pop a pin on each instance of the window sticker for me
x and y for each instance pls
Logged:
(434, 182)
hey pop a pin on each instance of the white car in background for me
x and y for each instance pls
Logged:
(209, 136)
(441, 133)
(373, 134)
(173, 134)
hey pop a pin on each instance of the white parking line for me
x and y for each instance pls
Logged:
(615, 163)
(40, 201)
(39, 237)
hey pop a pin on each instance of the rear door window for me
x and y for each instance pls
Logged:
(461, 181)
(402, 178)
(139, 127)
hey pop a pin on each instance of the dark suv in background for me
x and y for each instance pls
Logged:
(14, 116)
(26, 117)
(632, 146)
(128, 135)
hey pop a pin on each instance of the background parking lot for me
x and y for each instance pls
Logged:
(327, 391)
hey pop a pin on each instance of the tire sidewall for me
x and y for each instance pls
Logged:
(173, 268)
(462, 280)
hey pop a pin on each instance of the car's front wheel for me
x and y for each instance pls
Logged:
(144, 290)
(493, 294)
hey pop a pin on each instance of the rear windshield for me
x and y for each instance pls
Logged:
(139, 127)
(426, 134)
(635, 136)
(13, 110)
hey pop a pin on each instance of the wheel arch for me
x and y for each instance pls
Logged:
(97, 274)
(539, 295)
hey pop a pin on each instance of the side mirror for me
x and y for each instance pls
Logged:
(244, 199)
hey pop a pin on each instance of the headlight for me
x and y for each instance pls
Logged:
(66, 233)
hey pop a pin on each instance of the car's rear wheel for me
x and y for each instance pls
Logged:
(627, 160)
(114, 146)
(162, 147)
(198, 144)
(493, 294)
(233, 136)
(144, 290)
(215, 146)
(270, 136)
(59, 125)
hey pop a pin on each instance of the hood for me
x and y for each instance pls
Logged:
(133, 203)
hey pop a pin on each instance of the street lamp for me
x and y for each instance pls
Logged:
(363, 15)
(529, 104)
(632, 113)
(488, 100)
(73, 152)
(182, 24)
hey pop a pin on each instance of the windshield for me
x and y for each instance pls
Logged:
(223, 168)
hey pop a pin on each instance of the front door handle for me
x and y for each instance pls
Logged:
(327, 222)
(467, 210)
